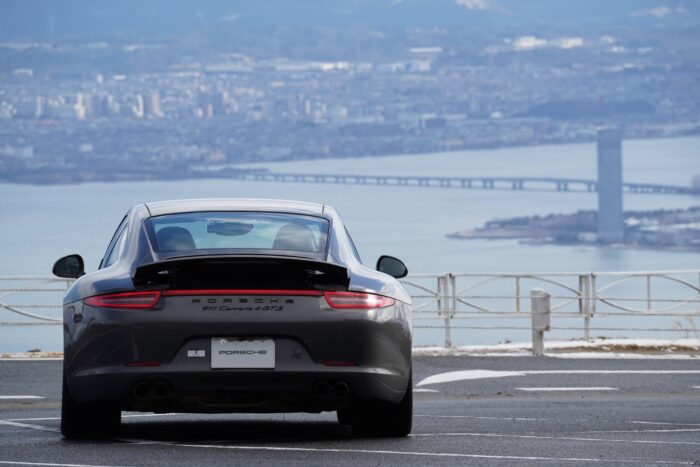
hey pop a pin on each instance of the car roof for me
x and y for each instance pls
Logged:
(160, 208)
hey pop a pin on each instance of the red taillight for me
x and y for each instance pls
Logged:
(361, 300)
(133, 300)
(341, 363)
(312, 293)
(143, 363)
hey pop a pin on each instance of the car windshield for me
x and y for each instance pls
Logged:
(174, 234)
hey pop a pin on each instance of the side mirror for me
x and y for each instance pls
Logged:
(392, 266)
(69, 267)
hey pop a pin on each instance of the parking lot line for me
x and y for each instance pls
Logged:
(52, 464)
(674, 430)
(27, 425)
(558, 438)
(465, 375)
(486, 418)
(21, 397)
(589, 388)
(425, 454)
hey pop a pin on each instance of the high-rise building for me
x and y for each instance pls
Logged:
(610, 216)
(152, 104)
(139, 107)
(211, 103)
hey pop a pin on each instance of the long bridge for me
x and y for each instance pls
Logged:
(487, 183)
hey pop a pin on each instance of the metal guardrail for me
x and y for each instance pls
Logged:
(622, 302)
(668, 300)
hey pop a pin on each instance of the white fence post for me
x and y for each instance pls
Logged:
(587, 293)
(541, 312)
(446, 303)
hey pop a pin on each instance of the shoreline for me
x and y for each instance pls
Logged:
(48, 177)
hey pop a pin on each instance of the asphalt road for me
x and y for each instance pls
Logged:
(493, 411)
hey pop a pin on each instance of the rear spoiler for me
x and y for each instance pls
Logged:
(243, 271)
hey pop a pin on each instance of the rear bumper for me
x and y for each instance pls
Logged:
(236, 390)
(100, 345)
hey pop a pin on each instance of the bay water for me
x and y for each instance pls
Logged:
(42, 223)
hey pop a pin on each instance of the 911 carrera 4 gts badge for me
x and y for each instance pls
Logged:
(243, 304)
(243, 308)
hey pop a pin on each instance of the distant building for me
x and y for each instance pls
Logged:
(33, 107)
(210, 104)
(610, 217)
(139, 108)
(103, 106)
(151, 105)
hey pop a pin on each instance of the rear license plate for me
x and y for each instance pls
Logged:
(242, 353)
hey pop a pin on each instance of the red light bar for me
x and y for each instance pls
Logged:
(311, 293)
(145, 363)
(357, 300)
(338, 363)
(132, 300)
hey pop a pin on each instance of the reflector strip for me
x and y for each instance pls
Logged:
(311, 293)
(134, 300)
(357, 300)
(146, 363)
(338, 363)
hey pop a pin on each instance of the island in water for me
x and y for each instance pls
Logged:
(660, 229)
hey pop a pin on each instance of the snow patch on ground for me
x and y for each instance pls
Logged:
(596, 348)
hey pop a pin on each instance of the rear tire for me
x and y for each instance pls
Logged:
(383, 419)
(87, 420)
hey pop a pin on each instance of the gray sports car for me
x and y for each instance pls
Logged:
(235, 305)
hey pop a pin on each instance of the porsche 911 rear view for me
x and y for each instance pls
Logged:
(235, 305)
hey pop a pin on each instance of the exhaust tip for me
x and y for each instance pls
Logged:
(142, 390)
(322, 389)
(341, 390)
(161, 389)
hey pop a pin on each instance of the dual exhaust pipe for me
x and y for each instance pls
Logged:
(326, 390)
(145, 390)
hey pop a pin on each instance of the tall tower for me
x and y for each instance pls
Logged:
(610, 218)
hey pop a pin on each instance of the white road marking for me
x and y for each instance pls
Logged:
(425, 390)
(123, 416)
(663, 423)
(675, 430)
(46, 463)
(30, 359)
(463, 375)
(39, 419)
(528, 419)
(563, 438)
(485, 418)
(589, 388)
(134, 415)
(423, 454)
(466, 375)
(20, 397)
(27, 425)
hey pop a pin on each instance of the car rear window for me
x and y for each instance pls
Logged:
(174, 234)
